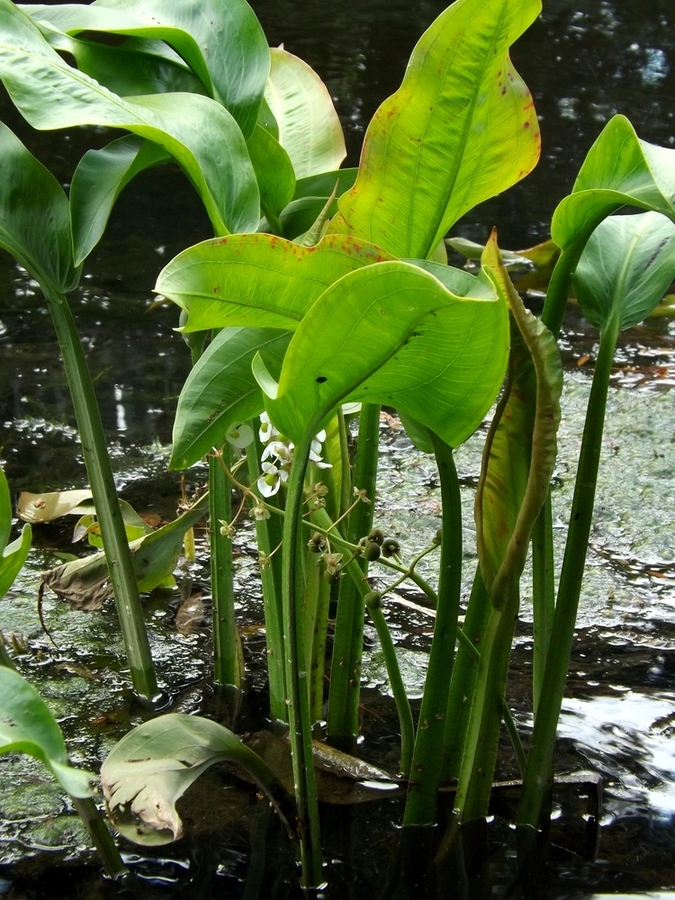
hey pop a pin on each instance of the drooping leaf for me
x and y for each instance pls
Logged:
(28, 726)
(39, 508)
(461, 128)
(521, 447)
(393, 334)
(153, 765)
(626, 268)
(197, 131)
(273, 170)
(98, 181)
(222, 43)
(34, 219)
(84, 583)
(258, 280)
(309, 127)
(619, 170)
(136, 67)
(220, 391)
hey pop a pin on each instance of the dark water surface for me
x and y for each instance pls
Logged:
(583, 61)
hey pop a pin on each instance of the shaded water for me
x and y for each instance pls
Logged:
(584, 61)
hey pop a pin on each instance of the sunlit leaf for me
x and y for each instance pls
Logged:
(153, 765)
(460, 129)
(98, 181)
(28, 726)
(309, 127)
(34, 218)
(393, 334)
(626, 268)
(619, 170)
(258, 280)
(201, 135)
(220, 391)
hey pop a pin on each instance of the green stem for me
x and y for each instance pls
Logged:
(268, 537)
(345, 674)
(103, 841)
(403, 709)
(5, 659)
(102, 483)
(227, 656)
(426, 773)
(296, 668)
(480, 750)
(540, 758)
(464, 678)
(543, 595)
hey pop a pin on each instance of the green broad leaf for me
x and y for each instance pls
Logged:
(194, 129)
(150, 769)
(309, 127)
(460, 129)
(625, 269)
(258, 280)
(13, 558)
(5, 511)
(222, 43)
(28, 726)
(34, 219)
(324, 184)
(619, 170)
(99, 179)
(521, 447)
(12, 555)
(136, 67)
(273, 169)
(220, 391)
(393, 334)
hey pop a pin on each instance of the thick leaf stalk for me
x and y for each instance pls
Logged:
(228, 663)
(426, 774)
(345, 674)
(97, 462)
(540, 757)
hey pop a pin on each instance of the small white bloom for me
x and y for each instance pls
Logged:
(267, 430)
(240, 435)
(271, 479)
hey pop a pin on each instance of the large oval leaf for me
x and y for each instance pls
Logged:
(98, 181)
(220, 391)
(309, 127)
(12, 555)
(461, 128)
(222, 43)
(34, 217)
(258, 280)
(626, 268)
(153, 765)
(28, 726)
(196, 130)
(619, 170)
(394, 334)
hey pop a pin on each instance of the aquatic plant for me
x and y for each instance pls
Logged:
(325, 288)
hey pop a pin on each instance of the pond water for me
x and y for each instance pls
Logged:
(584, 61)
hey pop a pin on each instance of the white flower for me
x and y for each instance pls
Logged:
(240, 435)
(267, 430)
(271, 479)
